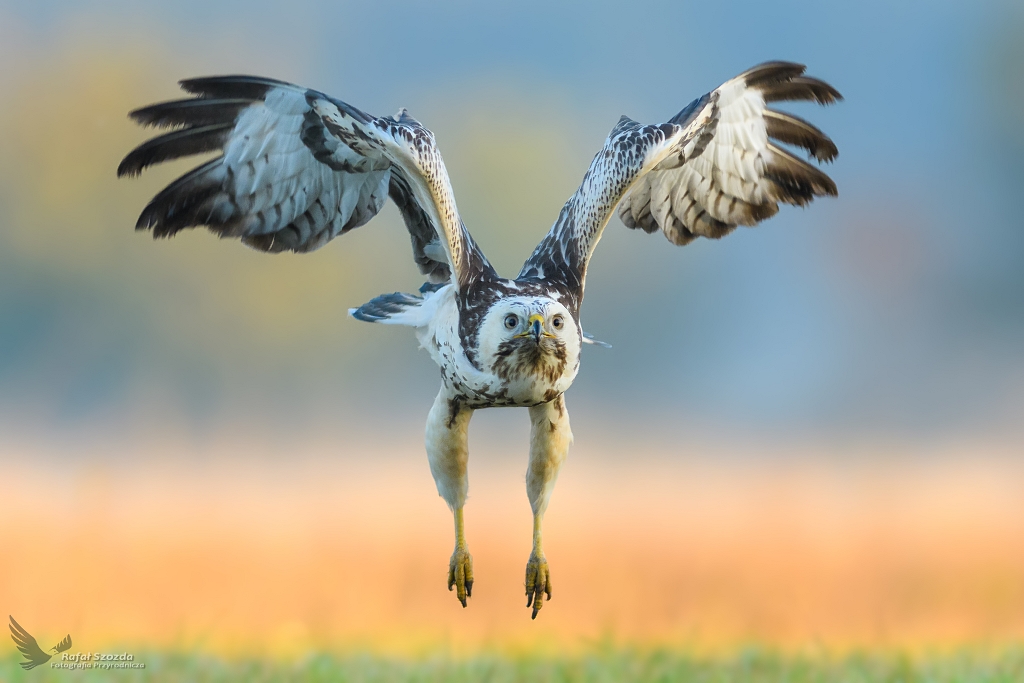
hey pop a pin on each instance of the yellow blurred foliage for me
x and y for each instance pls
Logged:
(248, 549)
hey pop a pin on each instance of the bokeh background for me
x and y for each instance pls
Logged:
(808, 434)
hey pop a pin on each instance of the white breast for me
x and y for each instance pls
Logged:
(440, 337)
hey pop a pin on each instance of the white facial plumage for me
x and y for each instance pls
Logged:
(532, 344)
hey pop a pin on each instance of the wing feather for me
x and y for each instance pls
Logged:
(192, 112)
(180, 143)
(298, 168)
(795, 131)
(712, 167)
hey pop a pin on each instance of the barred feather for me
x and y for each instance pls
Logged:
(298, 168)
(710, 168)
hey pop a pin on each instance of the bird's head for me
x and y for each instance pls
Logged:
(530, 336)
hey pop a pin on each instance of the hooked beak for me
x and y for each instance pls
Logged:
(535, 328)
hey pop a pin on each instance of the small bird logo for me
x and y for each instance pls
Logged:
(30, 648)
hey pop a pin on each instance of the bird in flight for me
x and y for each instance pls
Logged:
(30, 649)
(297, 168)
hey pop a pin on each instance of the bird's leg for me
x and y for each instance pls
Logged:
(550, 437)
(460, 568)
(448, 452)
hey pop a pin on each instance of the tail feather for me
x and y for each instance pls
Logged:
(386, 307)
(399, 308)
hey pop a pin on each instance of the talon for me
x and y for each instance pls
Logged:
(460, 575)
(538, 583)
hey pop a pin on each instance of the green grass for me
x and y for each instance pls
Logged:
(621, 666)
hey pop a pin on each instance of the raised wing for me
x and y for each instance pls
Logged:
(298, 168)
(27, 645)
(711, 167)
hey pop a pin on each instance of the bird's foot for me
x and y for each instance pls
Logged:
(538, 583)
(460, 574)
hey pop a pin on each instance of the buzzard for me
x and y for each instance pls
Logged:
(296, 168)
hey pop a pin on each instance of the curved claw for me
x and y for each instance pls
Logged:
(538, 583)
(460, 574)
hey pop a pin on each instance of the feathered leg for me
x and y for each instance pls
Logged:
(550, 437)
(448, 452)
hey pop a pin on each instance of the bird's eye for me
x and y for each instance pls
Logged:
(511, 321)
(557, 322)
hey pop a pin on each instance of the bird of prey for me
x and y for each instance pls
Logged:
(30, 649)
(296, 168)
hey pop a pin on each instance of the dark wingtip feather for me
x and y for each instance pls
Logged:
(187, 202)
(179, 143)
(191, 112)
(797, 181)
(247, 87)
(172, 146)
(800, 88)
(772, 72)
(795, 131)
(167, 216)
(128, 168)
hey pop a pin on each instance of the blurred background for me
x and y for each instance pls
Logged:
(806, 434)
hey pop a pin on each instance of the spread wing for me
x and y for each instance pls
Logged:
(27, 645)
(297, 168)
(711, 167)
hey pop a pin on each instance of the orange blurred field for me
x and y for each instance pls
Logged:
(244, 548)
